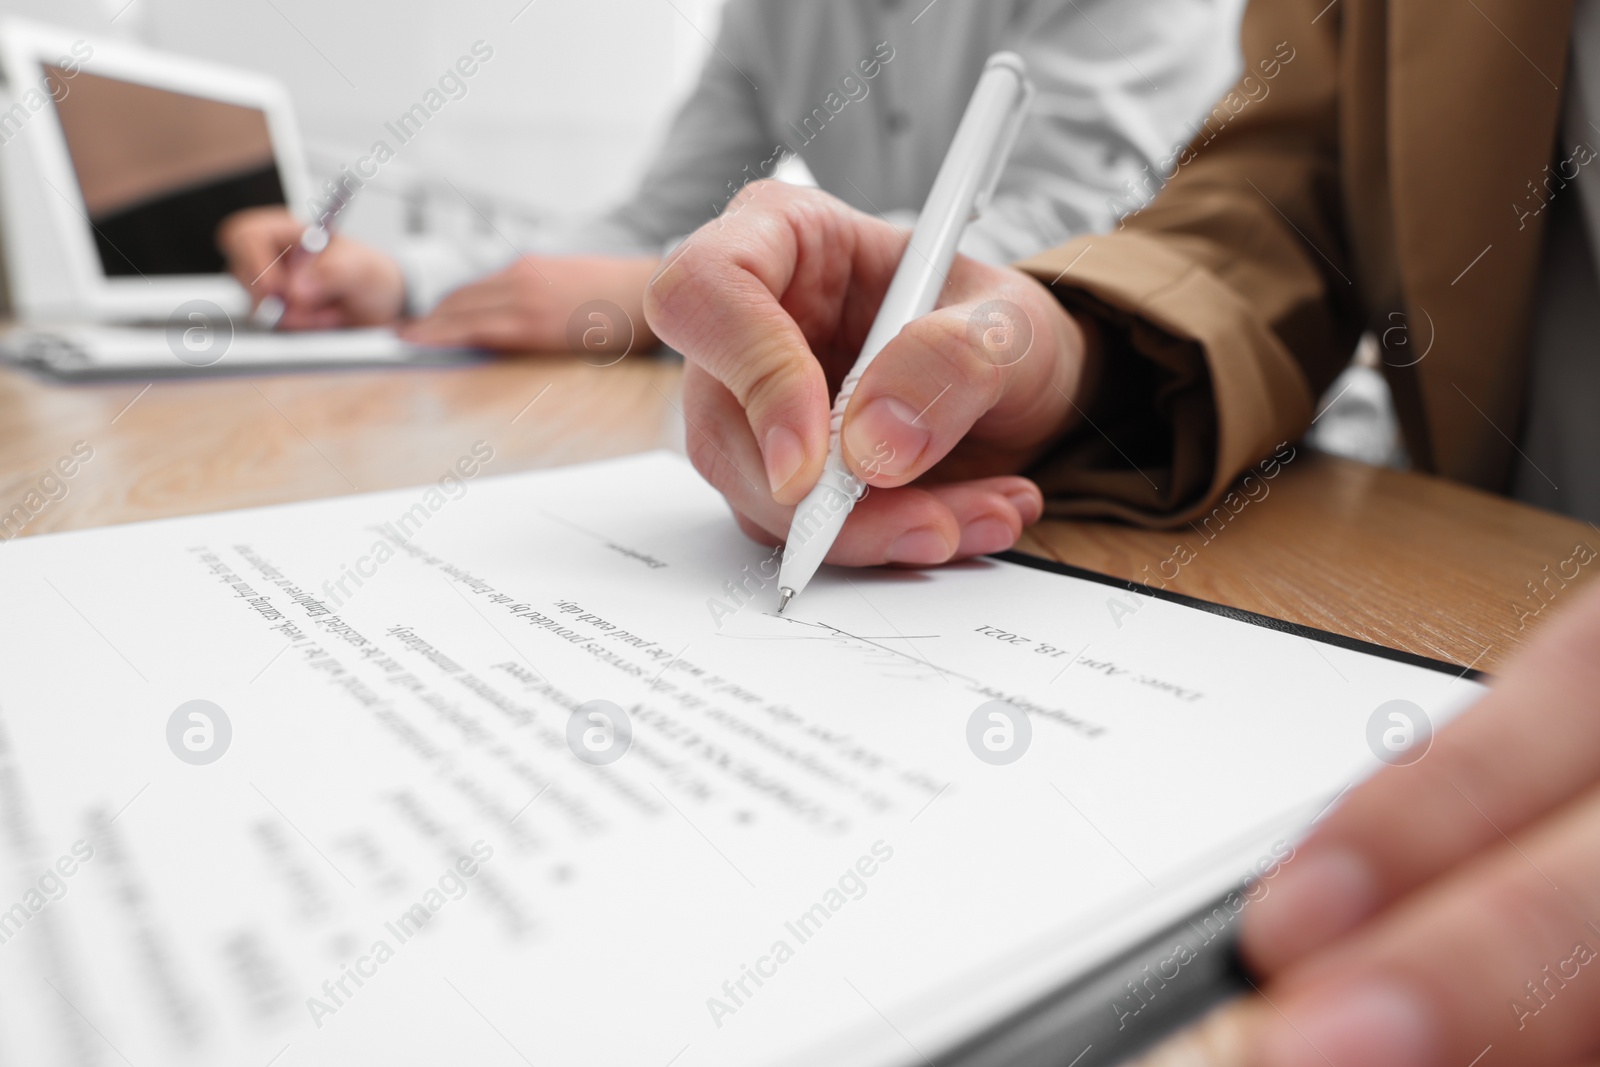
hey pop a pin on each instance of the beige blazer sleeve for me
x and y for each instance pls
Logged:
(1225, 306)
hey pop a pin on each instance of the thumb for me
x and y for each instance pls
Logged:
(984, 365)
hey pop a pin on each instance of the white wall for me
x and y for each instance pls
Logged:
(560, 119)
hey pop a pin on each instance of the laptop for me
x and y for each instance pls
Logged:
(118, 165)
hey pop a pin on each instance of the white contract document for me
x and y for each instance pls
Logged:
(524, 770)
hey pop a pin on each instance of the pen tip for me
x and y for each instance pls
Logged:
(784, 596)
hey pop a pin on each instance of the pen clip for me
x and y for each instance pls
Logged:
(1008, 137)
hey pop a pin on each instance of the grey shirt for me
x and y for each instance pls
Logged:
(868, 94)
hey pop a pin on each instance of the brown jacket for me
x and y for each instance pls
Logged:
(1379, 167)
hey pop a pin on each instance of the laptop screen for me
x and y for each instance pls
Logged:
(159, 170)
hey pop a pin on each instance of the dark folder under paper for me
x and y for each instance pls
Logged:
(1124, 1006)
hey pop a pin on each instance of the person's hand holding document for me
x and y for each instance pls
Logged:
(770, 308)
(1446, 905)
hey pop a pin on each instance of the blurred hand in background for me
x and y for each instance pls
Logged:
(349, 284)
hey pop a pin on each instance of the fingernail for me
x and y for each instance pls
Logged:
(1027, 505)
(1316, 897)
(1379, 1025)
(886, 438)
(984, 536)
(923, 547)
(783, 454)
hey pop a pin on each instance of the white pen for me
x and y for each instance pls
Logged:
(313, 239)
(966, 180)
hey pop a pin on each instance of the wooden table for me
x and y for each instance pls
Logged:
(1400, 559)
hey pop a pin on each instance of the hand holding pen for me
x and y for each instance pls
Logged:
(772, 308)
(309, 278)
